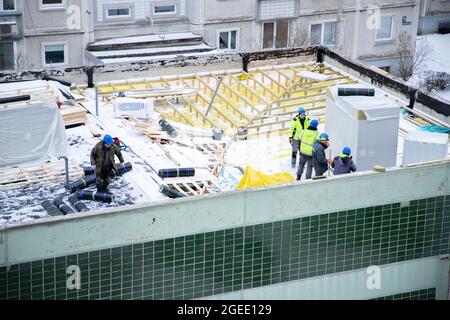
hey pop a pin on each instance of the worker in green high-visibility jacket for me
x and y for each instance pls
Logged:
(298, 124)
(307, 139)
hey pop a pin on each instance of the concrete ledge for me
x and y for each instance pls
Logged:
(61, 236)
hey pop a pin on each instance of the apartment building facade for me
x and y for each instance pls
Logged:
(359, 29)
(42, 33)
(434, 16)
(55, 33)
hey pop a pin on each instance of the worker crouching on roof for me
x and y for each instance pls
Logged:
(343, 163)
(319, 159)
(102, 161)
(307, 139)
(298, 124)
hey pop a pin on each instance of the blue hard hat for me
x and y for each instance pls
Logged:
(347, 151)
(301, 111)
(107, 139)
(314, 123)
(324, 137)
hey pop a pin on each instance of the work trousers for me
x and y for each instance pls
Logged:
(295, 149)
(305, 160)
(103, 180)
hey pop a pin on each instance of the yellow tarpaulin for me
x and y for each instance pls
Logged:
(253, 179)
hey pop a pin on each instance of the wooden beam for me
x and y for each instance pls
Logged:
(238, 95)
(280, 74)
(311, 82)
(182, 116)
(273, 81)
(199, 113)
(249, 89)
(296, 105)
(225, 100)
(291, 113)
(315, 88)
(265, 88)
(214, 108)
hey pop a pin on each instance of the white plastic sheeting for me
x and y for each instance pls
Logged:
(31, 133)
(420, 146)
(138, 108)
(368, 125)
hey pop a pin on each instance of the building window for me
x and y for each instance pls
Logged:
(118, 13)
(166, 9)
(385, 32)
(7, 5)
(55, 54)
(52, 4)
(228, 40)
(276, 9)
(275, 34)
(7, 56)
(323, 34)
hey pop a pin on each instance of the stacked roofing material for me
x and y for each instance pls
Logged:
(422, 146)
(73, 115)
(367, 124)
(58, 205)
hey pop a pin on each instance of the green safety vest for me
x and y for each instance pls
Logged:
(296, 127)
(308, 138)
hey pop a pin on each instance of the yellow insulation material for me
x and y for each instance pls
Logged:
(253, 179)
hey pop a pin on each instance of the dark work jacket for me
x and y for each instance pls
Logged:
(319, 159)
(97, 157)
(343, 165)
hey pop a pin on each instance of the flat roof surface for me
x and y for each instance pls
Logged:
(263, 102)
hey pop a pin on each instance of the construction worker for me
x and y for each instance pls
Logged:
(298, 124)
(343, 163)
(307, 139)
(319, 159)
(103, 163)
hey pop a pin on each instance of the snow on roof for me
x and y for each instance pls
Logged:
(253, 100)
(131, 52)
(147, 38)
(157, 57)
(38, 90)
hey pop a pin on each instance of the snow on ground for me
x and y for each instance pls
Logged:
(439, 60)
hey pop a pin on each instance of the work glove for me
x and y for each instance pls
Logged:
(290, 140)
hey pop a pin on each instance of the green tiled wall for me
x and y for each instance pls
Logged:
(246, 257)
(426, 294)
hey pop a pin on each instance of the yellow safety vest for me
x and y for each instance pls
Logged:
(299, 128)
(308, 138)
